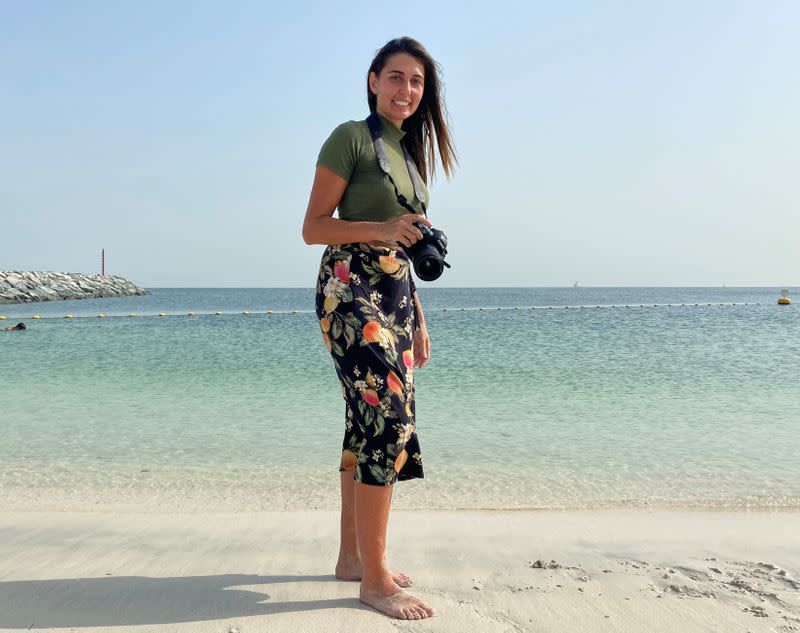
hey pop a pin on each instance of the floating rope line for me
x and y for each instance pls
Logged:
(472, 309)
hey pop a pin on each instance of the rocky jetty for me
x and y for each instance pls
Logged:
(29, 287)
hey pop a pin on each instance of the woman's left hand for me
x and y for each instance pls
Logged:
(421, 346)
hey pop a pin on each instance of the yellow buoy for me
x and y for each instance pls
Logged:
(190, 314)
(295, 312)
(132, 314)
(2, 317)
(101, 316)
(269, 311)
(784, 301)
(218, 313)
(245, 312)
(67, 316)
(161, 314)
(36, 316)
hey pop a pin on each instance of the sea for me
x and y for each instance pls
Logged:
(534, 398)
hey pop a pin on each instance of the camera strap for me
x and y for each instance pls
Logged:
(374, 124)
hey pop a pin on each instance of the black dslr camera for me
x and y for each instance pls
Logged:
(428, 253)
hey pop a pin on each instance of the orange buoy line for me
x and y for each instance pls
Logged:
(782, 301)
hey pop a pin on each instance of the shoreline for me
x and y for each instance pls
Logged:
(616, 570)
(322, 495)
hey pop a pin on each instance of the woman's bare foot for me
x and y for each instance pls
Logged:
(350, 569)
(396, 604)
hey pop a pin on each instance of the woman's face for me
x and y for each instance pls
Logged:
(398, 89)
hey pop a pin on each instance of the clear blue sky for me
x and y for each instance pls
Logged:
(615, 143)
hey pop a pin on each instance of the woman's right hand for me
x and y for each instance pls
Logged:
(402, 230)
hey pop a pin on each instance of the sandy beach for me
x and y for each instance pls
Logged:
(621, 570)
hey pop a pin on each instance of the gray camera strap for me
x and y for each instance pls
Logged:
(374, 124)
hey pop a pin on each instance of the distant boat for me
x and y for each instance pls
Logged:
(576, 285)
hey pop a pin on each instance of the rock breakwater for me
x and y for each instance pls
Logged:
(30, 287)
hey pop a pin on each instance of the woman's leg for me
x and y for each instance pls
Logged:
(378, 588)
(348, 565)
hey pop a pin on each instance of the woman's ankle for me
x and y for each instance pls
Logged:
(376, 576)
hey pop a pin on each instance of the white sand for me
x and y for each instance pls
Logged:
(627, 570)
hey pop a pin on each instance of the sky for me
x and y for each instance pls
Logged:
(609, 143)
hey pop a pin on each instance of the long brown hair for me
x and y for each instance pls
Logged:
(426, 129)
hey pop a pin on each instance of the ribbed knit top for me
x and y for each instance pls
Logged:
(369, 195)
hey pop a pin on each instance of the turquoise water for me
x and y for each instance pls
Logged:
(682, 406)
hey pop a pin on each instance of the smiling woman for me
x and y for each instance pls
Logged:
(369, 312)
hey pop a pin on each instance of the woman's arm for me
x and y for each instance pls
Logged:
(320, 227)
(421, 341)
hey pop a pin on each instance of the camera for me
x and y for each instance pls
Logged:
(428, 253)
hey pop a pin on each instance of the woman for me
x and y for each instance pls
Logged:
(371, 318)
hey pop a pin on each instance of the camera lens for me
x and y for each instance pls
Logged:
(428, 267)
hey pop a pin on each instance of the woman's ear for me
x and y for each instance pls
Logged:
(373, 82)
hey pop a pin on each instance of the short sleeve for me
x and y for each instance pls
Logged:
(340, 152)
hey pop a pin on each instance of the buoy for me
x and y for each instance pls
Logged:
(218, 313)
(444, 309)
(67, 316)
(131, 314)
(784, 298)
(190, 314)
(36, 316)
(161, 314)
(2, 317)
(269, 311)
(295, 312)
(101, 316)
(245, 313)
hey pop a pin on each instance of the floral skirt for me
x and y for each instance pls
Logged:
(366, 311)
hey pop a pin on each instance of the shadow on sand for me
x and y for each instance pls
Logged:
(132, 600)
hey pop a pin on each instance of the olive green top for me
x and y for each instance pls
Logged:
(369, 195)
